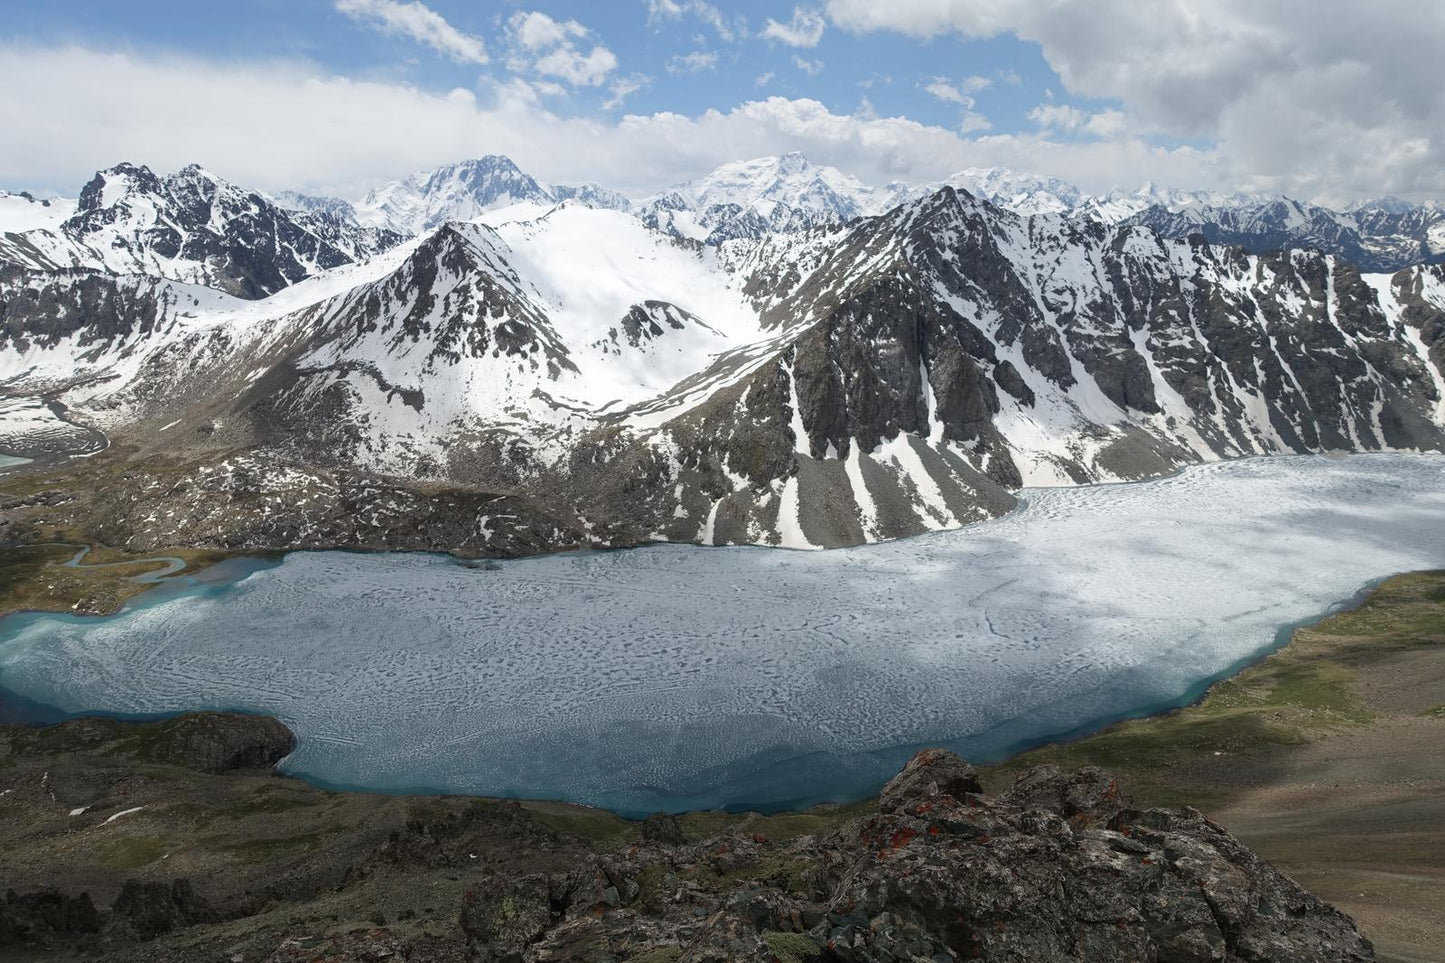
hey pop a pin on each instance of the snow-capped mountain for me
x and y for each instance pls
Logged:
(1375, 237)
(1118, 205)
(468, 190)
(593, 195)
(25, 212)
(1017, 191)
(749, 199)
(314, 204)
(565, 374)
(455, 192)
(191, 226)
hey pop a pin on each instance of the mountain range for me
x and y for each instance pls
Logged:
(775, 353)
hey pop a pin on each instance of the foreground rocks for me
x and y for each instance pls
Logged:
(1059, 867)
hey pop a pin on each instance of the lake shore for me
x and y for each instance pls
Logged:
(1324, 757)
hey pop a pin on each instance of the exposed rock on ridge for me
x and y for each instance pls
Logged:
(1059, 868)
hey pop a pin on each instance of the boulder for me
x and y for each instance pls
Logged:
(932, 772)
(1088, 795)
(663, 829)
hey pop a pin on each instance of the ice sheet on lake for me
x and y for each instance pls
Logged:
(674, 677)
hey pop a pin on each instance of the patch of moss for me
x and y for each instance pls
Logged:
(1435, 712)
(266, 850)
(605, 831)
(781, 827)
(658, 954)
(792, 947)
(128, 851)
(649, 882)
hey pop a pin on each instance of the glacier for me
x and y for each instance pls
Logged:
(679, 677)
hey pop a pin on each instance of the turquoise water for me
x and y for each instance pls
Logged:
(10, 461)
(678, 677)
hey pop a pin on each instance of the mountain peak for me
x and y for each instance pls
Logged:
(197, 170)
(454, 192)
(1388, 204)
(793, 162)
(110, 185)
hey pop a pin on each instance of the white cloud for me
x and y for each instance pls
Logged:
(804, 30)
(945, 91)
(765, 78)
(1058, 117)
(293, 125)
(810, 67)
(533, 33)
(691, 63)
(624, 87)
(972, 122)
(420, 23)
(1069, 119)
(660, 10)
(576, 68)
(536, 30)
(1107, 123)
(1323, 98)
(663, 10)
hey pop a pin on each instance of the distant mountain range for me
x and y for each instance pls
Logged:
(772, 354)
(750, 199)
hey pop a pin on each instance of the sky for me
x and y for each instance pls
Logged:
(1326, 100)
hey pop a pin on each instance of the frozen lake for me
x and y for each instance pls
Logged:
(677, 677)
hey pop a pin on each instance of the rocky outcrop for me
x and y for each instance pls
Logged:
(37, 917)
(220, 742)
(148, 909)
(1057, 868)
(211, 742)
(931, 772)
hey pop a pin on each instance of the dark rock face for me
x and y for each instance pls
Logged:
(1090, 794)
(216, 742)
(40, 310)
(1058, 868)
(37, 918)
(663, 829)
(150, 909)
